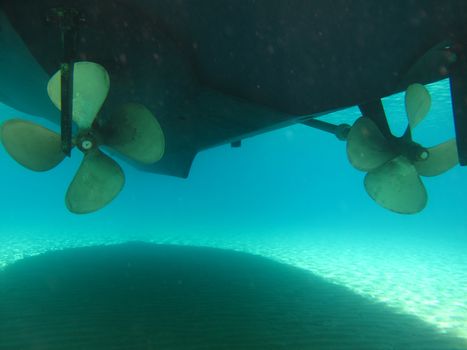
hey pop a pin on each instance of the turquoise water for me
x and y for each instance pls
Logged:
(290, 195)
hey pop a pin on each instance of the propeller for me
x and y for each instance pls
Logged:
(394, 164)
(132, 131)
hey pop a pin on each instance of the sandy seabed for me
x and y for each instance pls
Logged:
(426, 281)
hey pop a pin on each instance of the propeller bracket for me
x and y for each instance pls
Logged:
(67, 20)
(458, 78)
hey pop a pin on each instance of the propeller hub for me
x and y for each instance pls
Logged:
(423, 155)
(408, 148)
(416, 152)
(86, 145)
(86, 141)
